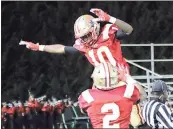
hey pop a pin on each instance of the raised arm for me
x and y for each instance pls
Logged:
(125, 27)
(103, 16)
(122, 75)
(143, 94)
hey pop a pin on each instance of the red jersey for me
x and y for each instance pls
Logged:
(109, 109)
(107, 48)
(3, 110)
(60, 107)
(11, 110)
(21, 110)
(46, 108)
(33, 104)
(27, 110)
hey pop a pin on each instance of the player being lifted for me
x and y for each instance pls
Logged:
(109, 105)
(97, 44)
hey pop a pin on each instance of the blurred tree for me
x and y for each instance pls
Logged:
(52, 22)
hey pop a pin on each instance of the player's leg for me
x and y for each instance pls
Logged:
(136, 116)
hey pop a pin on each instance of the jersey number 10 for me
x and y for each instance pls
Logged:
(102, 49)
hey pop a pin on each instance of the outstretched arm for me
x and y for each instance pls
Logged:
(55, 48)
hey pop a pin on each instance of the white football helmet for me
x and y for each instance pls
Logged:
(105, 76)
(86, 29)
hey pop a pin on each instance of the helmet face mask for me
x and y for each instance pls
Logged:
(87, 38)
(86, 29)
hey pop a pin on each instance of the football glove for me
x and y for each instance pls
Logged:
(32, 46)
(102, 16)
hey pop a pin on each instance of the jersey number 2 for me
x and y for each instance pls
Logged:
(107, 118)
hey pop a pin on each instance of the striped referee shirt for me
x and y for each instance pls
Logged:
(157, 115)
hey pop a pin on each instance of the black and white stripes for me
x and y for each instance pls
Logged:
(157, 115)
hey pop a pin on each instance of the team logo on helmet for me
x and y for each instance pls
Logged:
(86, 29)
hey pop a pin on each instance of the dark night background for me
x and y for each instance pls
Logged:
(52, 22)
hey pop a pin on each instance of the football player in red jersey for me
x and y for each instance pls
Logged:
(110, 104)
(97, 44)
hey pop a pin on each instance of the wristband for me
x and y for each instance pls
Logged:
(41, 47)
(112, 19)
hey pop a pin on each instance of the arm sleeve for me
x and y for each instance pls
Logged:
(116, 32)
(120, 34)
(71, 50)
(127, 28)
(164, 117)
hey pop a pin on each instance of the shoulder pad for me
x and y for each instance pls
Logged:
(87, 96)
(85, 99)
(105, 31)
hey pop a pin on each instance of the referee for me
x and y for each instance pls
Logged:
(155, 113)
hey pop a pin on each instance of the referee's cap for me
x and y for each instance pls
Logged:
(159, 86)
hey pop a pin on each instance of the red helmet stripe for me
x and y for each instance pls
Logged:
(109, 78)
(107, 74)
(77, 26)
